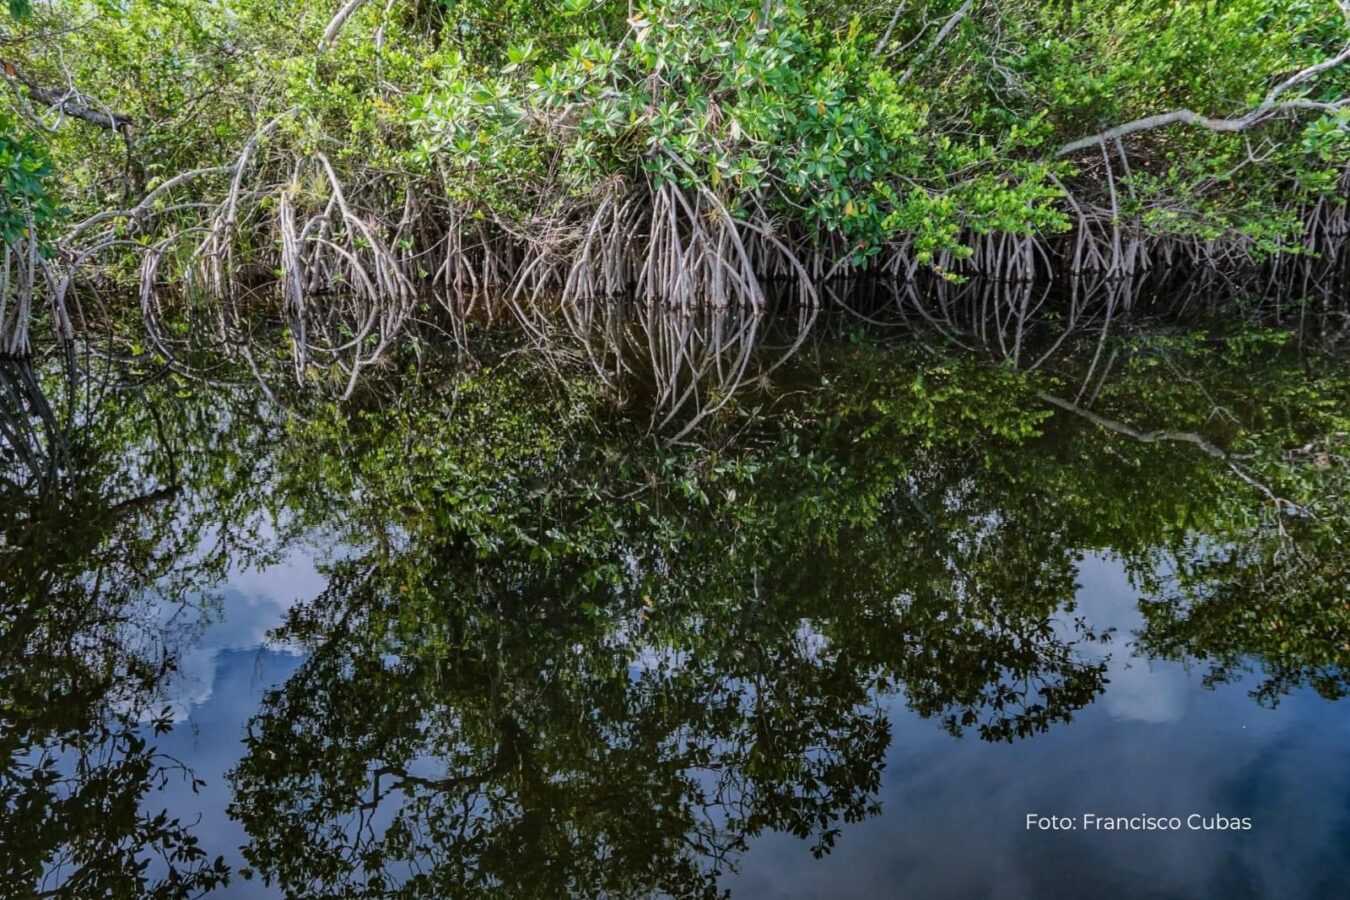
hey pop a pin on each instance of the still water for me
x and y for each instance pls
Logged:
(680, 606)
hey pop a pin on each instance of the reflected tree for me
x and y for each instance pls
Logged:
(570, 648)
(104, 550)
(564, 658)
(559, 671)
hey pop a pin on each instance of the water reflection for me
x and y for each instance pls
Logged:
(683, 367)
(601, 612)
(103, 569)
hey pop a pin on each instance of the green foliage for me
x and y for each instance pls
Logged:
(25, 202)
(797, 112)
(781, 109)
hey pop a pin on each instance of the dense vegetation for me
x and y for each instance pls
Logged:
(685, 151)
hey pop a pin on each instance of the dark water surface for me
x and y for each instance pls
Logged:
(661, 605)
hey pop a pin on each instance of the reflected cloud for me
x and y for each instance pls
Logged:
(954, 812)
(1141, 689)
(254, 603)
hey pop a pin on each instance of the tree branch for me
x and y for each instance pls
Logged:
(335, 27)
(67, 102)
(1145, 437)
(941, 36)
(126, 507)
(144, 205)
(1268, 109)
(886, 37)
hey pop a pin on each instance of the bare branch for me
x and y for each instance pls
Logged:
(335, 27)
(144, 205)
(886, 37)
(1268, 109)
(941, 36)
(67, 102)
(1144, 437)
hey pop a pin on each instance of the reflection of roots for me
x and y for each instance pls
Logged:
(351, 255)
(29, 429)
(687, 366)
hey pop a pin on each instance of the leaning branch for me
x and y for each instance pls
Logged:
(335, 27)
(1269, 108)
(890, 27)
(68, 102)
(941, 36)
(1190, 117)
(141, 208)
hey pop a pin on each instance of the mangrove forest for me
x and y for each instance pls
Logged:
(753, 449)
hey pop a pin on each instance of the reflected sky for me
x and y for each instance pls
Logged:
(953, 810)
(254, 602)
(559, 658)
